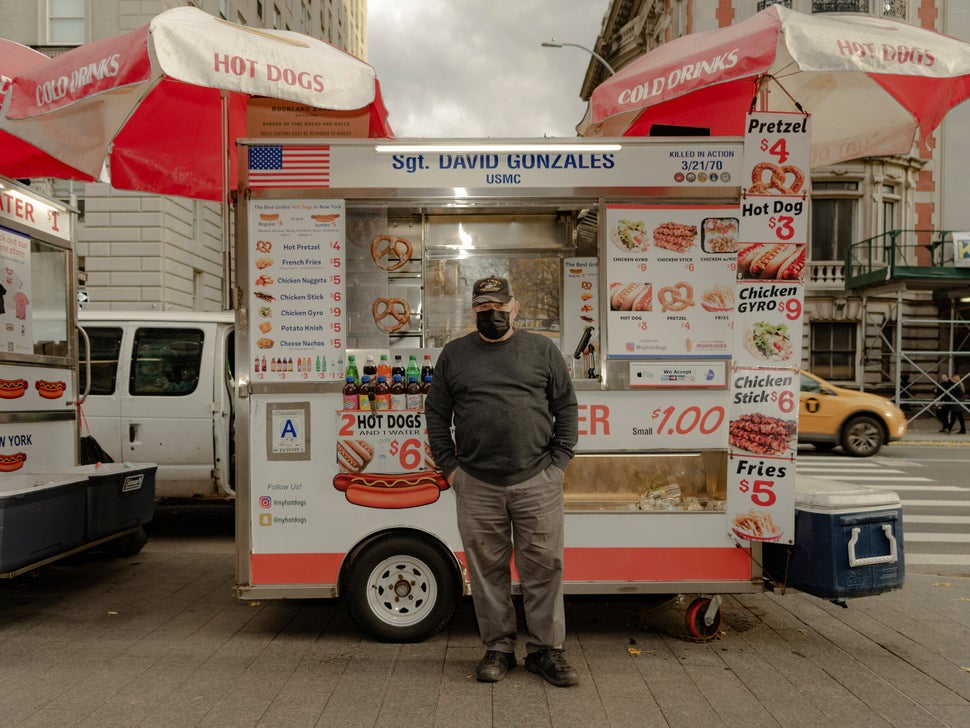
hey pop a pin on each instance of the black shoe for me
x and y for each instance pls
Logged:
(552, 665)
(494, 666)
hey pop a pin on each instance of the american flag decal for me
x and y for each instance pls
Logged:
(289, 166)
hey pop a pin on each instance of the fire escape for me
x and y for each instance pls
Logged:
(914, 286)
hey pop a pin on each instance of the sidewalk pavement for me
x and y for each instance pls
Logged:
(159, 639)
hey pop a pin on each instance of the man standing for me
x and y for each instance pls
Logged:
(514, 409)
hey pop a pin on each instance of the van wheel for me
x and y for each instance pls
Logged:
(402, 589)
(862, 436)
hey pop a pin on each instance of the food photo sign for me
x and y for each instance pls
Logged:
(668, 295)
(771, 259)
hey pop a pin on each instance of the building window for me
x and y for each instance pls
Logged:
(890, 209)
(835, 207)
(67, 21)
(894, 8)
(841, 6)
(833, 351)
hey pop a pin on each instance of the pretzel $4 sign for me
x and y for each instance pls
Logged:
(775, 179)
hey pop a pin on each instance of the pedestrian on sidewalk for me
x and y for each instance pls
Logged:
(943, 409)
(956, 392)
(515, 417)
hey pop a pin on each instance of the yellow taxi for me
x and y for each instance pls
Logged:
(858, 421)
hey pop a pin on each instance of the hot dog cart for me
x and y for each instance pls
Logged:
(683, 337)
(50, 506)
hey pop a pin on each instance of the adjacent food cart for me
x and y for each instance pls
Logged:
(50, 506)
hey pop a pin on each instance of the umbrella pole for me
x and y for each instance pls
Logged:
(226, 247)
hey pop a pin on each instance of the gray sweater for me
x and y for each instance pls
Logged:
(513, 406)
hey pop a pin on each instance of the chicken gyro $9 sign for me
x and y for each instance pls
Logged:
(762, 441)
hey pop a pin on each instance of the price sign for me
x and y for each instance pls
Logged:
(762, 441)
(394, 442)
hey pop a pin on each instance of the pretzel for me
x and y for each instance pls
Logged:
(386, 248)
(264, 246)
(777, 180)
(396, 309)
(677, 297)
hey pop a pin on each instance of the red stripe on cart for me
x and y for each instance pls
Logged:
(582, 564)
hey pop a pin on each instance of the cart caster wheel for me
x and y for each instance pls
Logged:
(696, 626)
(129, 544)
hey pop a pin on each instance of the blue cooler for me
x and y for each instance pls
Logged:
(848, 541)
(40, 516)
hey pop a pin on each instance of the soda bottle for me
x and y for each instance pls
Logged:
(263, 364)
(412, 370)
(352, 369)
(256, 365)
(384, 368)
(398, 397)
(382, 393)
(412, 395)
(365, 393)
(425, 388)
(370, 368)
(427, 369)
(398, 367)
(350, 395)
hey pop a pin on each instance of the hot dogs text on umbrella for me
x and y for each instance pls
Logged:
(148, 105)
(20, 159)
(869, 83)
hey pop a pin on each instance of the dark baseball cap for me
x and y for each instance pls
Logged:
(491, 289)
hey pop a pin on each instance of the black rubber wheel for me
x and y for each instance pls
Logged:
(824, 446)
(694, 617)
(129, 544)
(401, 589)
(862, 436)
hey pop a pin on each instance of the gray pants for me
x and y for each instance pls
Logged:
(490, 517)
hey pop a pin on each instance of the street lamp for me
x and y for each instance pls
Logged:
(556, 44)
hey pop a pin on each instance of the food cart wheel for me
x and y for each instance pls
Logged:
(402, 589)
(129, 544)
(696, 625)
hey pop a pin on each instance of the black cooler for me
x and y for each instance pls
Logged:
(848, 542)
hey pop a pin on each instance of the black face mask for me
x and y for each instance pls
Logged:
(493, 324)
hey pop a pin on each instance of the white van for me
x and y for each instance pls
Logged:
(162, 390)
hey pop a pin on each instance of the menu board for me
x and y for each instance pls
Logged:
(670, 277)
(771, 259)
(296, 264)
(580, 303)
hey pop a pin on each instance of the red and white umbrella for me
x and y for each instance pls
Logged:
(20, 159)
(154, 109)
(869, 83)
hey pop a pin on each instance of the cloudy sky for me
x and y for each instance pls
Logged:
(467, 68)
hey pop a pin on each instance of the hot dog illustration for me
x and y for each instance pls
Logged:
(50, 390)
(10, 463)
(402, 490)
(12, 388)
(353, 456)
